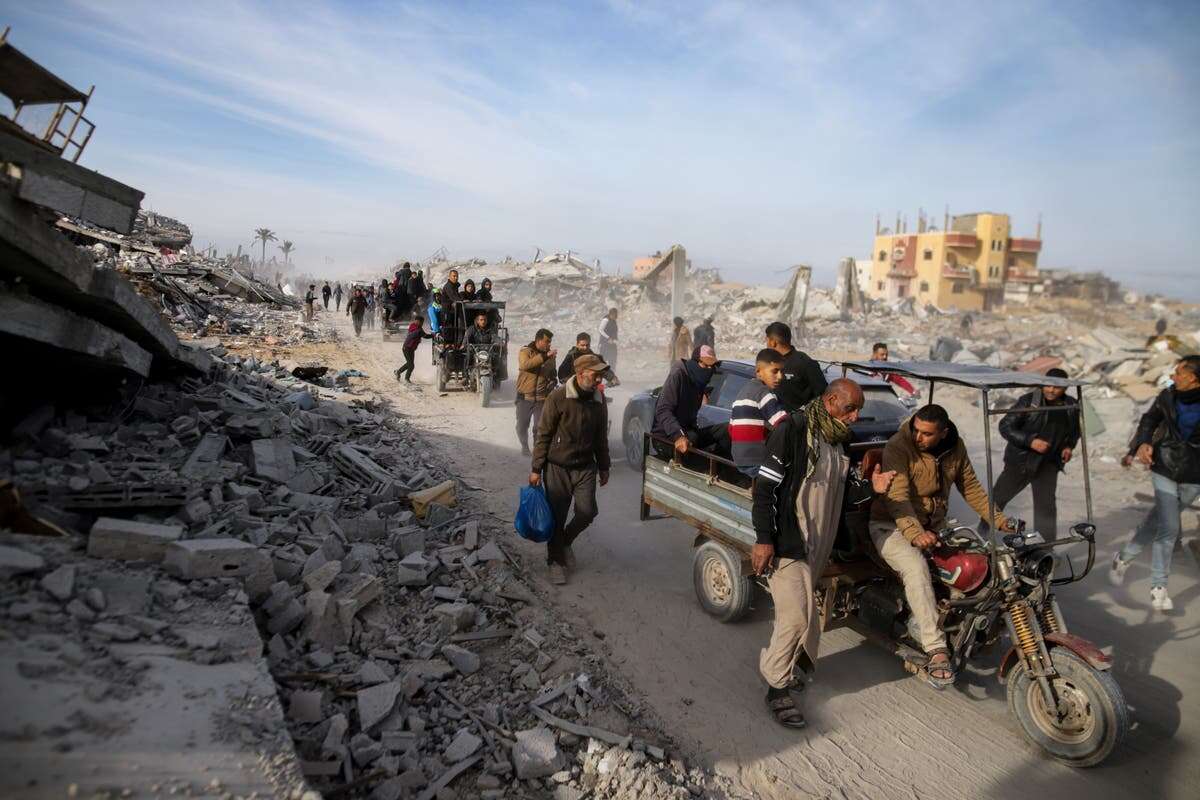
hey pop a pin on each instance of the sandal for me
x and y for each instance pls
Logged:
(784, 709)
(939, 673)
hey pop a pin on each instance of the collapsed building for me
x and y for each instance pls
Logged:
(226, 576)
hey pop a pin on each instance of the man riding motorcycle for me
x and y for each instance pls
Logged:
(928, 457)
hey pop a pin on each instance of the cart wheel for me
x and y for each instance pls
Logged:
(720, 586)
(441, 375)
(635, 432)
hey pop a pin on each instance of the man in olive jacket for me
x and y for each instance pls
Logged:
(928, 458)
(569, 453)
(536, 377)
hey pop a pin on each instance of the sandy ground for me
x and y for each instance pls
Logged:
(873, 732)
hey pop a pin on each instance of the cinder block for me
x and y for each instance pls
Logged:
(127, 540)
(214, 558)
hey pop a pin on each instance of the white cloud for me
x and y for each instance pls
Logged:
(757, 134)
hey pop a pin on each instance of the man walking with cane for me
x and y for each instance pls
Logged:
(570, 454)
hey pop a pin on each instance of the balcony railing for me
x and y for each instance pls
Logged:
(953, 272)
(1025, 245)
(957, 239)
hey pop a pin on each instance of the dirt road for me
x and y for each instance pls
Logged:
(874, 732)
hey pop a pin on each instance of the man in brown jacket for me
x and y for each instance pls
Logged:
(570, 452)
(680, 344)
(536, 377)
(928, 458)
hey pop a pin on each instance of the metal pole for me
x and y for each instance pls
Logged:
(1087, 478)
(987, 443)
(931, 390)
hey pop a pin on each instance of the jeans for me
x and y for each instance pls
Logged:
(564, 486)
(1160, 528)
(527, 410)
(1044, 482)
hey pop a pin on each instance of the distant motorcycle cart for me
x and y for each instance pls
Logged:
(473, 368)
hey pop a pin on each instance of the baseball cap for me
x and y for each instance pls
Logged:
(590, 361)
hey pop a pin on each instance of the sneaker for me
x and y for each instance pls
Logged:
(558, 574)
(1116, 572)
(569, 558)
(1159, 599)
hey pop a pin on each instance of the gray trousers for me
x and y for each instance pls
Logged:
(564, 487)
(913, 568)
(528, 410)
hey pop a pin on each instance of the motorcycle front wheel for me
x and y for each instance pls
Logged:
(485, 390)
(1096, 717)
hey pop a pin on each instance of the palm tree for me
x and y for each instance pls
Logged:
(287, 247)
(264, 235)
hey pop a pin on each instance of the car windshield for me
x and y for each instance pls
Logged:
(881, 405)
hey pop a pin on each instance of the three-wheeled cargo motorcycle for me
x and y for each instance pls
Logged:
(1060, 687)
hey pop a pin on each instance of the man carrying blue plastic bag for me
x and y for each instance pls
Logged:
(569, 455)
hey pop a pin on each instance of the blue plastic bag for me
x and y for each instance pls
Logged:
(534, 520)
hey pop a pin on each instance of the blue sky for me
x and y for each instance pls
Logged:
(758, 135)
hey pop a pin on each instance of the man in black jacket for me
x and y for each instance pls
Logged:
(798, 498)
(1168, 442)
(802, 377)
(1040, 443)
(679, 402)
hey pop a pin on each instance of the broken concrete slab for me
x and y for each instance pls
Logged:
(305, 706)
(375, 703)
(15, 561)
(273, 459)
(128, 540)
(464, 660)
(70, 339)
(319, 579)
(60, 583)
(535, 754)
(462, 746)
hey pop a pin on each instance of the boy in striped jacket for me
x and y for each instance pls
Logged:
(755, 412)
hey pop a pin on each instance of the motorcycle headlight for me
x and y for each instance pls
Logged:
(1040, 567)
(481, 357)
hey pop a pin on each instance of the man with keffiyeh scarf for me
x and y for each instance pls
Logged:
(798, 499)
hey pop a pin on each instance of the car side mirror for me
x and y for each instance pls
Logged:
(1084, 530)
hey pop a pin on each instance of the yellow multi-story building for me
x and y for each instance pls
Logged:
(966, 265)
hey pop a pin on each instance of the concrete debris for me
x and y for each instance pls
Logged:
(128, 540)
(15, 561)
(535, 754)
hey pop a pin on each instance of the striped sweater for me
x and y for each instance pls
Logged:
(755, 412)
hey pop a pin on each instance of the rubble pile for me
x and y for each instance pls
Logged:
(202, 294)
(408, 652)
